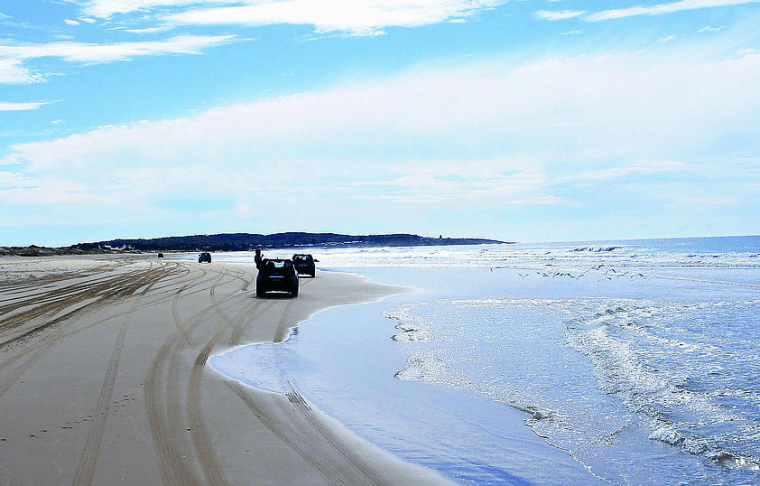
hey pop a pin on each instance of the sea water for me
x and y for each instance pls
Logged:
(631, 362)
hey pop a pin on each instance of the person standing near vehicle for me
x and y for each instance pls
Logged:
(258, 258)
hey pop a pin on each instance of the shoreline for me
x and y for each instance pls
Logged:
(104, 378)
(347, 355)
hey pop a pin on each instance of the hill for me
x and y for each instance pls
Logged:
(247, 241)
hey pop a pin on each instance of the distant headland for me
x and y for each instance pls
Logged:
(243, 242)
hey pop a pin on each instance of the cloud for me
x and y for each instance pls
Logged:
(645, 169)
(120, 51)
(353, 16)
(108, 8)
(149, 30)
(357, 16)
(21, 106)
(588, 106)
(663, 8)
(11, 72)
(559, 14)
(650, 10)
(485, 138)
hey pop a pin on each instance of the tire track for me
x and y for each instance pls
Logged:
(183, 461)
(240, 326)
(340, 447)
(282, 328)
(327, 453)
(15, 365)
(61, 304)
(202, 443)
(85, 470)
(268, 411)
(174, 470)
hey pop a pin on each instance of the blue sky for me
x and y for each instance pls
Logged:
(529, 120)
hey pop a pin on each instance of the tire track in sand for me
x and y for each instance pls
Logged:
(202, 443)
(85, 470)
(324, 450)
(61, 304)
(174, 470)
(181, 457)
(12, 367)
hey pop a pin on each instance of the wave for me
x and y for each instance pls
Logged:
(673, 364)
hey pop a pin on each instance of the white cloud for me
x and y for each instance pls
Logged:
(21, 106)
(352, 16)
(625, 106)
(108, 8)
(663, 8)
(149, 30)
(705, 201)
(641, 169)
(82, 52)
(559, 14)
(357, 16)
(11, 72)
(486, 136)
(71, 22)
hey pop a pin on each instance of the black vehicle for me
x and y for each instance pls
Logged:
(304, 264)
(277, 274)
(204, 257)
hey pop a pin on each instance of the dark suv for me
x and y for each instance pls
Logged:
(304, 264)
(204, 257)
(277, 274)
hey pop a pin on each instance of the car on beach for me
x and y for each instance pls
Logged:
(304, 264)
(204, 257)
(277, 274)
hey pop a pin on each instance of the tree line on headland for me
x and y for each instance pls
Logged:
(243, 242)
(247, 241)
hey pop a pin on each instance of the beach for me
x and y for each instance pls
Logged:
(104, 378)
(558, 364)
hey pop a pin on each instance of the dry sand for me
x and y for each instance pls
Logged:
(103, 379)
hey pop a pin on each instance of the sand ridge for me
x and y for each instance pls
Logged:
(104, 379)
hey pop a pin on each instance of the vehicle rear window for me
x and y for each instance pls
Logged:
(278, 264)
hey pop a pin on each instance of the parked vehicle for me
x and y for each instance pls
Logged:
(204, 257)
(304, 264)
(277, 274)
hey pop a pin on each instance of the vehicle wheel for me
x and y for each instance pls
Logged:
(260, 292)
(314, 274)
(295, 291)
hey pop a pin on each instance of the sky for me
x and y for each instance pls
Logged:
(519, 120)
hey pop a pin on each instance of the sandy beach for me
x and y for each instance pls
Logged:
(104, 379)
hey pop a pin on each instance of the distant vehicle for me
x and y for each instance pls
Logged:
(304, 264)
(277, 274)
(204, 257)
(160, 255)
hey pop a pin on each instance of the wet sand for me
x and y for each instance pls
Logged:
(104, 379)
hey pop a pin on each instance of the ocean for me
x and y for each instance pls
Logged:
(618, 362)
